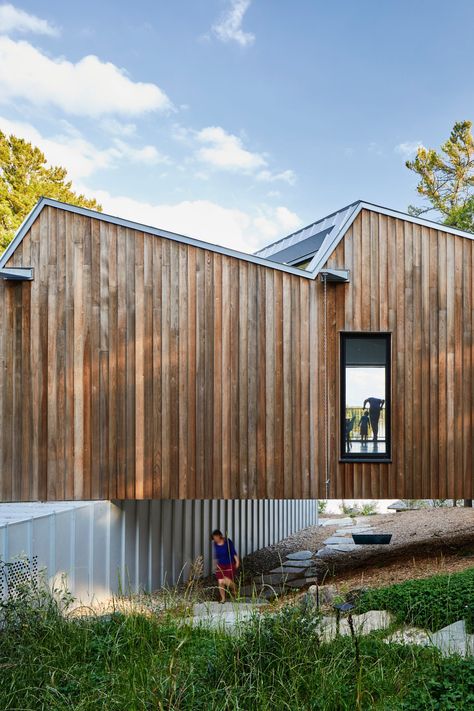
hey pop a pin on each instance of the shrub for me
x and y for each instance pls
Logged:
(322, 506)
(431, 603)
(369, 508)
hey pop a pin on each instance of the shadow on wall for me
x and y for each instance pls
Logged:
(102, 546)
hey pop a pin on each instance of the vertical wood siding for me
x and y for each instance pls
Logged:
(135, 367)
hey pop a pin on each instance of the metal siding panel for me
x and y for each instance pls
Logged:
(115, 546)
(100, 552)
(82, 567)
(167, 542)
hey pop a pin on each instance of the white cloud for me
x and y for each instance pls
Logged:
(88, 87)
(229, 26)
(409, 148)
(118, 128)
(146, 154)
(206, 220)
(80, 157)
(287, 176)
(224, 150)
(14, 20)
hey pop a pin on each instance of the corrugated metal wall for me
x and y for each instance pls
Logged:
(102, 546)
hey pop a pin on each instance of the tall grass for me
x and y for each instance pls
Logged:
(131, 662)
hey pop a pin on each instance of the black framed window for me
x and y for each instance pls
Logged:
(365, 396)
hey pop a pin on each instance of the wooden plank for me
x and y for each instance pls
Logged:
(234, 377)
(148, 385)
(287, 390)
(217, 462)
(130, 366)
(183, 327)
(200, 373)
(243, 381)
(269, 355)
(111, 485)
(252, 389)
(279, 406)
(226, 380)
(139, 310)
(78, 356)
(208, 371)
(121, 383)
(157, 364)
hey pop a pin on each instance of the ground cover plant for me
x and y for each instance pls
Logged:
(136, 661)
(431, 603)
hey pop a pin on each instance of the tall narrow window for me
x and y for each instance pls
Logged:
(365, 394)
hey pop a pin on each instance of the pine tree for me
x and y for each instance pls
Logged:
(25, 177)
(447, 178)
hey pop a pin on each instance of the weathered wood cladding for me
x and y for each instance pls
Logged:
(138, 367)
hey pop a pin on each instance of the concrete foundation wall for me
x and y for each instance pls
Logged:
(139, 545)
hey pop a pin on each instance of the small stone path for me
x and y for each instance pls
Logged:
(298, 570)
(453, 639)
(341, 541)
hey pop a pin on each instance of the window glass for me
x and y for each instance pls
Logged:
(365, 391)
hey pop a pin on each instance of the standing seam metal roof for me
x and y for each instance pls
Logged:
(306, 242)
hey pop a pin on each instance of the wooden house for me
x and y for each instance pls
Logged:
(141, 364)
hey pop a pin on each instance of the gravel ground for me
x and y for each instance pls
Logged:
(423, 542)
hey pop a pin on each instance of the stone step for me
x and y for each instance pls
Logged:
(288, 569)
(336, 522)
(335, 540)
(274, 578)
(300, 555)
(298, 563)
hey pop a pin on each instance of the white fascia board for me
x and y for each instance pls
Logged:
(22, 230)
(331, 242)
(16, 273)
(128, 224)
(316, 264)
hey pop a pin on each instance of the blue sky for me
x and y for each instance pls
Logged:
(236, 121)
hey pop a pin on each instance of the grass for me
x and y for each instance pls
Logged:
(134, 661)
(431, 603)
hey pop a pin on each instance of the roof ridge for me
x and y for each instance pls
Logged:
(315, 222)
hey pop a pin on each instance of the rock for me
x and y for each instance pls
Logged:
(370, 621)
(298, 563)
(336, 522)
(454, 639)
(298, 583)
(354, 529)
(288, 569)
(327, 593)
(402, 506)
(274, 578)
(300, 555)
(327, 552)
(363, 624)
(344, 547)
(409, 635)
(227, 616)
(335, 540)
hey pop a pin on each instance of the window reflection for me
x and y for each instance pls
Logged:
(365, 380)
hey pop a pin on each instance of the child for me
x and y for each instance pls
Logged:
(227, 563)
(364, 426)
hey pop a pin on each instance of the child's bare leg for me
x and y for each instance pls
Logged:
(222, 589)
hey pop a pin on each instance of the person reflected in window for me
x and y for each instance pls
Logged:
(375, 408)
(349, 428)
(364, 427)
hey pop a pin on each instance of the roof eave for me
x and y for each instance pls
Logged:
(86, 212)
